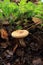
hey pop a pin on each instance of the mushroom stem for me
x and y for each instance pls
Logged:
(22, 43)
(20, 35)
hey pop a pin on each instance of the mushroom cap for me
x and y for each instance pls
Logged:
(20, 33)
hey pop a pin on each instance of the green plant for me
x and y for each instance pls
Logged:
(39, 10)
(6, 0)
(13, 12)
(9, 10)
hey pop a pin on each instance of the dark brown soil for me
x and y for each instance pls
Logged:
(32, 54)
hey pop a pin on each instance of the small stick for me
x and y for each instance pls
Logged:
(32, 26)
(14, 49)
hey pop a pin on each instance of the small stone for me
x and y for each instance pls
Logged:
(8, 64)
(37, 62)
(9, 52)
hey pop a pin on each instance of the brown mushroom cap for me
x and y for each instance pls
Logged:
(20, 33)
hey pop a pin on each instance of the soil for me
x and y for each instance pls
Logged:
(13, 54)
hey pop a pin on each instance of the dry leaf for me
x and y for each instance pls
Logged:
(4, 34)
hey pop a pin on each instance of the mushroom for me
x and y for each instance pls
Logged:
(19, 35)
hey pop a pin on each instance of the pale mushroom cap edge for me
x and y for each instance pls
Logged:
(19, 33)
